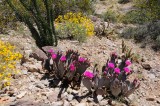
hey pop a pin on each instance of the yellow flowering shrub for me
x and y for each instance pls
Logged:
(8, 60)
(76, 18)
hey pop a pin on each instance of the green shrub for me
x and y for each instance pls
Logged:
(143, 32)
(134, 17)
(151, 8)
(158, 41)
(7, 18)
(72, 31)
(145, 11)
(64, 6)
(123, 1)
(109, 16)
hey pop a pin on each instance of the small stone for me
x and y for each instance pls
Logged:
(146, 66)
(75, 91)
(38, 54)
(66, 103)
(69, 90)
(22, 94)
(81, 104)
(40, 85)
(158, 101)
(103, 103)
(151, 76)
(59, 103)
(74, 102)
(99, 97)
(64, 95)
(25, 72)
(150, 99)
(32, 68)
(52, 97)
(45, 82)
(90, 99)
(70, 97)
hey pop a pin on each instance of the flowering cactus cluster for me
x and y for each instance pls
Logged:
(113, 79)
(68, 67)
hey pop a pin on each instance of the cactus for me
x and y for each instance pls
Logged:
(69, 67)
(40, 23)
(113, 78)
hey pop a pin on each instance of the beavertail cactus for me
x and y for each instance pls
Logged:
(113, 78)
(68, 67)
(115, 87)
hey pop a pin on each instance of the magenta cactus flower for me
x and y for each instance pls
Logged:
(117, 70)
(63, 58)
(88, 74)
(51, 51)
(54, 56)
(81, 59)
(72, 67)
(128, 62)
(110, 65)
(127, 70)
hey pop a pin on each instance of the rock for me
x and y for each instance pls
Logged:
(32, 78)
(99, 97)
(64, 95)
(33, 67)
(70, 97)
(45, 82)
(12, 99)
(158, 101)
(151, 76)
(90, 99)
(146, 66)
(39, 55)
(74, 102)
(47, 48)
(150, 99)
(52, 97)
(59, 103)
(40, 85)
(103, 102)
(25, 72)
(69, 90)
(66, 103)
(75, 91)
(22, 94)
(81, 104)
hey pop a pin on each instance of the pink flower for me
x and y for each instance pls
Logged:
(88, 74)
(54, 56)
(127, 70)
(81, 59)
(50, 51)
(117, 70)
(110, 65)
(128, 62)
(72, 67)
(63, 58)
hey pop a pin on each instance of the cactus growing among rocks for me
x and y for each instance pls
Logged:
(113, 79)
(68, 67)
